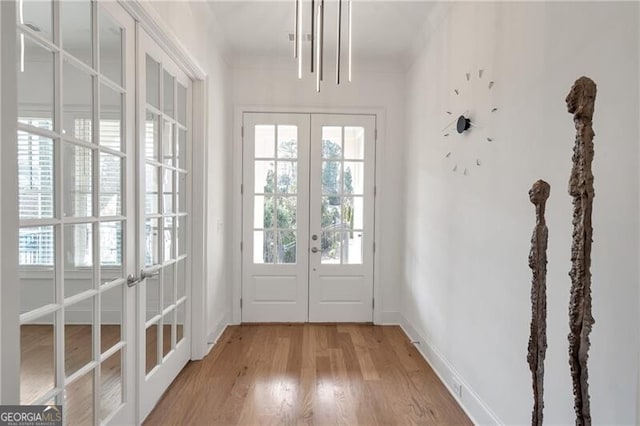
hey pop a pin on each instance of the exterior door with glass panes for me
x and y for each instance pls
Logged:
(77, 211)
(308, 197)
(163, 280)
(276, 217)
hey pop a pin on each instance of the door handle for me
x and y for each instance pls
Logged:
(133, 280)
(314, 249)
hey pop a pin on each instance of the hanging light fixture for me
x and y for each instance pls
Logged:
(316, 37)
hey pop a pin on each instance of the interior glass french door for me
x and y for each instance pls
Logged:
(76, 94)
(164, 221)
(308, 184)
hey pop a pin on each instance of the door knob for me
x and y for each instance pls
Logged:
(133, 280)
(314, 249)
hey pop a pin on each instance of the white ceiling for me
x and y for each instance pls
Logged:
(383, 31)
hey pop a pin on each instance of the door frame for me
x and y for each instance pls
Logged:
(235, 230)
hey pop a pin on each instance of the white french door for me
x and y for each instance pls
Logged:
(164, 305)
(308, 198)
(76, 155)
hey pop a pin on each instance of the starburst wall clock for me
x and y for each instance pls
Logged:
(468, 116)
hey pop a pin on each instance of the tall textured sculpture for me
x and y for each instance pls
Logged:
(580, 103)
(538, 195)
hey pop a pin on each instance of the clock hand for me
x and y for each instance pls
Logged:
(454, 120)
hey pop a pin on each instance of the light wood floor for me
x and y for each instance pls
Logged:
(309, 374)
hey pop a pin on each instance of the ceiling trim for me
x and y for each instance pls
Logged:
(160, 33)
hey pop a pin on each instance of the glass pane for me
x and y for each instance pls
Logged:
(151, 247)
(78, 400)
(352, 248)
(168, 83)
(110, 385)
(151, 189)
(180, 323)
(167, 143)
(168, 238)
(355, 210)
(331, 245)
(152, 297)
(35, 83)
(110, 118)
(287, 141)
(264, 210)
(331, 171)
(181, 235)
(167, 321)
(182, 104)
(110, 47)
(111, 251)
(332, 142)
(77, 177)
(35, 176)
(354, 143)
(153, 82)
(78, 335)
(265, 141)
(151, 347)
(287, 177)
(37, 15)
(167, 190)
(37, 359)
(287, 212)
(111, 309)
(331, 213)
(77, 110)
(76, 29)
(286, 247)
(110, 185)
(168, 287)
(265, 177)
(264, 245)
(181, 149)
(78, 258)
(182, 192)
(353, 177)
(36, 248)
(152, 136)
(182, 278)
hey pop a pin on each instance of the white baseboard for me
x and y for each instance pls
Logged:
(216, 332)
(390, 318)
(471, 403)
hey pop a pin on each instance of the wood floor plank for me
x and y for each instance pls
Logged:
(308, 374)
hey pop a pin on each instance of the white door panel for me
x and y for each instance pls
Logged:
(163, 289)
(341, 211)
(275, 225)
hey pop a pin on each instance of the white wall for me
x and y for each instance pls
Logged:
(465, 276)
(277, 88)
(196, 29)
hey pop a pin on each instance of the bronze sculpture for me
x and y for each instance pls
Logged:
(580, 103)
(538, 195)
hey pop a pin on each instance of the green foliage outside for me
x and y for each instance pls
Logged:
(280, 210)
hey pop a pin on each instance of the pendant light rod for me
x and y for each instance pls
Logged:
(300, 38)
(296, 30)
(318, 49)
(313, 33)
(350, 36)
(339, 42)
(321, 63)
